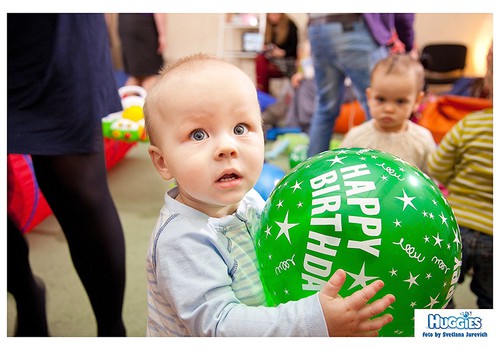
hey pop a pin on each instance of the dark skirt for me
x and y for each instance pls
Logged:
(60, 83)
(139, 44)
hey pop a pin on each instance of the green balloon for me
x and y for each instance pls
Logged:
(373, 215)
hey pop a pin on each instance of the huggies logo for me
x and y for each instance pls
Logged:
(462, 322)
(454, 323)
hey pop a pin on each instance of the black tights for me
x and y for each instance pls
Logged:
(76, 189)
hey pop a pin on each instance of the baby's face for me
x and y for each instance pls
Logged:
(392, 98)
(211, 138)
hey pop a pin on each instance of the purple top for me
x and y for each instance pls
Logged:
(381, 25)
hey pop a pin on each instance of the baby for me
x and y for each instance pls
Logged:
(395, 92)
(204, 125)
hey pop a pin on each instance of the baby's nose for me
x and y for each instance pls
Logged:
(226, 148)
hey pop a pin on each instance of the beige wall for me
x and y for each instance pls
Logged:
(199, 32)
(191, 33)
(475, 30)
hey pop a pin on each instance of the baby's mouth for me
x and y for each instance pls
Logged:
(228, 177)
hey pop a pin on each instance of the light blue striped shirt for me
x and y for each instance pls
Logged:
(203, 278)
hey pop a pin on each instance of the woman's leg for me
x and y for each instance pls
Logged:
(27, 289)
(76, 189)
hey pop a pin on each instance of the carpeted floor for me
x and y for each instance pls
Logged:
(138, 193)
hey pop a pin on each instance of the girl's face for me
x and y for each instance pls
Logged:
(274, 18)
(392, 98)
(211, 138)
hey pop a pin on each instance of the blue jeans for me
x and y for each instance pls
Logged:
(477, 254)
(338, 54)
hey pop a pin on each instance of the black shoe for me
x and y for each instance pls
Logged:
(32, 319)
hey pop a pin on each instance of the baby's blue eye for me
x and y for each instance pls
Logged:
(240, 129)
(198, 135)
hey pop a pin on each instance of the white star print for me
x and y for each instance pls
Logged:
(443, 219)
(284, 227)
(437, 239)
(406, 200)
(268, 231)
(397, 223)
(336, 160)
(432, 302)
(412, 280)
(280, 204)
(360, 279)
(401, 160)
(297, 186)
(393, 272)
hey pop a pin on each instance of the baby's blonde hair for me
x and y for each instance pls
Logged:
(153, 98)
(401, 64)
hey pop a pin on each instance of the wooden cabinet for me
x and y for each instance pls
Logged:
(240, 37)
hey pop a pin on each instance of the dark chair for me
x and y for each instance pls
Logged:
(443, 63)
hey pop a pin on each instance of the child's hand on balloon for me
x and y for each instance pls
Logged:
(352, 315)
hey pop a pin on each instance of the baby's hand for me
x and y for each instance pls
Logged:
(351, 316)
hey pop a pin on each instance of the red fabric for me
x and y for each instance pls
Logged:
(115, 151)
(439, 116)
(26, 204)
(265, 70)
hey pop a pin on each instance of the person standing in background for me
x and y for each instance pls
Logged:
(60, 83)
(143, 41)
(277, 60)
(463, 162)
(347, 45)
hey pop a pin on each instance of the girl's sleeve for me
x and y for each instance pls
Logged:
(441, 162)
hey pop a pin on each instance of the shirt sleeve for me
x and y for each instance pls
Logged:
(404, 28)
(193, 275)
(441, 162)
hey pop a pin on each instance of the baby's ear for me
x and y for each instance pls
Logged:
(159, 162)
(418, 101)
(368, 93)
